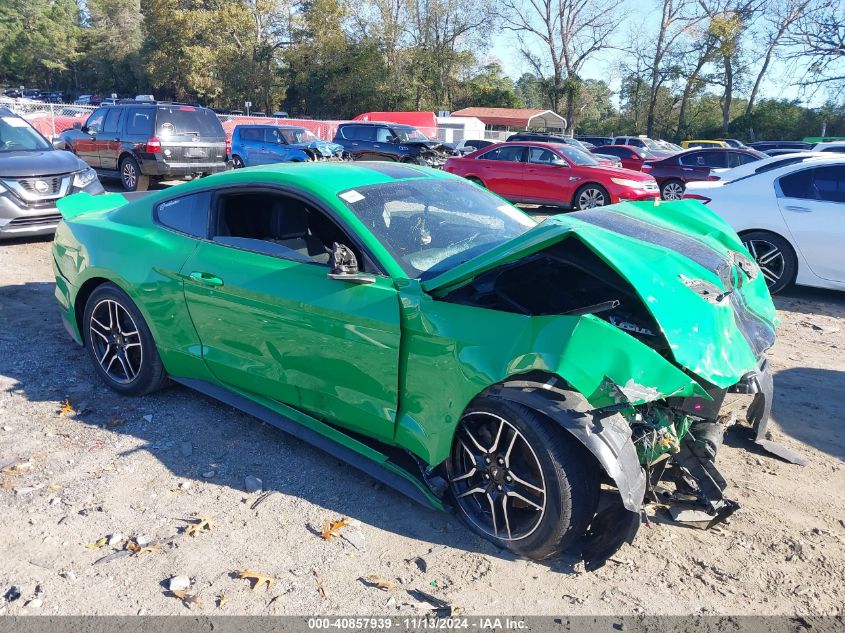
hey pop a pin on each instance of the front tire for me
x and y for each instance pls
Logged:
(590, 196)
(775, 257)
(519, 481)
(672, 190)
(131, 177)
(120, 343)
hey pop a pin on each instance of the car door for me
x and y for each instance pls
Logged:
(272, 323)
(694, 166)
(501, 171)
(377, 143)
(275, 146)
(86, 145)
(812, 202)
(546, 181)
(108, 141)
(252, 144)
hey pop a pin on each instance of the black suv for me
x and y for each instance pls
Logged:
(390, 141)
(138, 141)
(598, 141)
(33, 176)
(546, 137)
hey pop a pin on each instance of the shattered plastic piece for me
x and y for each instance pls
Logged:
(12, 593)
(66, 408)
(686, 515)
(252, 484)
(179, 583)
(100, 542)
(256, 577)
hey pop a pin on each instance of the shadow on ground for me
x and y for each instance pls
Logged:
(47, 366)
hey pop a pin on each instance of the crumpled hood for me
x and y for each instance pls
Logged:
(688, 267)
(324, 148)
(435, 146)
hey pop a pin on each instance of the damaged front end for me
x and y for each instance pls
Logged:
(696, 317)
(324, 151)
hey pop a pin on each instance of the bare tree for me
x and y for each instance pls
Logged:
(779, 19)
(818, 37)
(571, 32)
(676, 19)
(728, 21)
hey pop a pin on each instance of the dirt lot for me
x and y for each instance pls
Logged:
(145, 467)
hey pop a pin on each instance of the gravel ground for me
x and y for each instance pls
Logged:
(146, 468)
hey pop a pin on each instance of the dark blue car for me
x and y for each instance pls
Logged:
(263, 144)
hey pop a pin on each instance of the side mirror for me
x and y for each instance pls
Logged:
(559, 162)
(77, 125)
(58, 142)
(344, 266)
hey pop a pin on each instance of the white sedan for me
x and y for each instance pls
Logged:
(790, 218)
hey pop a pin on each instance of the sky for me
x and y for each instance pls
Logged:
(505, 48)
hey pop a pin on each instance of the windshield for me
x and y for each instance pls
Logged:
(16, 135)
(297, 135)
(429, 226)
(575, 155)
(651, 144)
(408, 133)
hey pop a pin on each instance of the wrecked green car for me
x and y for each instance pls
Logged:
(428, 332)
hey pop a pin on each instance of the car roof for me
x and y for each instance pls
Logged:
(376, 123)
(270, 126)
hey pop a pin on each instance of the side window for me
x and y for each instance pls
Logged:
(614, 151)
(692, 159)
(493, 154)
(349, 132)
(540, 156)
(112, 117)
(383, 135)
(252, 134)
(272, 135)
(829, 183)
(635, 142)
(840, 149)
(797, 184)
(188, 214)
(735, 159)
(279, 226)
(746, 158)
(139, 121)
(95, 121)
(513, 154)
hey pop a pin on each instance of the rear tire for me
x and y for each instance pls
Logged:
(120, 343)
(237, 162)
(131, 177)
(775, 257)
(672, 190)
(519, 481)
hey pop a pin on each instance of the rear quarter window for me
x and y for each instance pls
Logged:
(139, 121)
(187, 214)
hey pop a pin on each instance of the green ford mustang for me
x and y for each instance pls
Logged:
(432, 334)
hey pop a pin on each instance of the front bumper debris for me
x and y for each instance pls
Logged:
(759, 383)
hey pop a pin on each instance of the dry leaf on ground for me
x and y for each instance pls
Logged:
(381, 583)
(188, 599)
(320, 587)
(331, 528)
(100, 542)
(201, 525)
(66, 408)
(257, 577)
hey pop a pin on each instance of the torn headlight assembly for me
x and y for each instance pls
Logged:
(84, 178)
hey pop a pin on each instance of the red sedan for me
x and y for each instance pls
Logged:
(551, 174)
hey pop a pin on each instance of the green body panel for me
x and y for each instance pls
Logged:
(453, 352)
(391, 359)
(704, 337)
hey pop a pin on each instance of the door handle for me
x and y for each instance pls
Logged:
(206, 278)
(791, 207)
(116, 140)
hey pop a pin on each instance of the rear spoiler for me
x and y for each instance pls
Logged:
(81, 203)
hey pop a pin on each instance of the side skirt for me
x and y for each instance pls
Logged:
(327, 438)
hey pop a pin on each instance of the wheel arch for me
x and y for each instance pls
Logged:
(798, 256)
(590, 183)
(605, 435)
(82, 295)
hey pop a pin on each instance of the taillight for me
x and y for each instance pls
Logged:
(228, 146)
(646, 167)
(153, 145)
(712, 177)
(697, 196)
